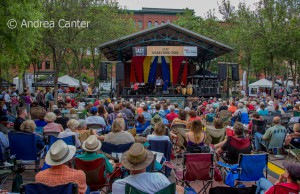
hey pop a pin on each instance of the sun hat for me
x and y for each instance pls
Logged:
(14, 94)
(187, 109)
(270, 103)
(137, 157)
(152, 105)
(156, 119)
(91, 144)
(293, 169)
(59, 153)
(142, 104)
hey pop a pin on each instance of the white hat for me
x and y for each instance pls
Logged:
(142, 104)
(270, 103)
(91, 144)
(187, 109)
(14, 94)
(298, 102)
(59, 153)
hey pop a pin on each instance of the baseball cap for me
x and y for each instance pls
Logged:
(293, 169)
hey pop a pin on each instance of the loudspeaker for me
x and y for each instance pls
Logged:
(235, 72)
(222, 72)
(120, 71)
(103, 71)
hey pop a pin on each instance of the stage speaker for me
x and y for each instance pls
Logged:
(235, 72)
(103, 71)
(120, 71)
(222, 72)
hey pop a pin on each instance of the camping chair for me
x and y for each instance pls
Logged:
(258, 126)
(225, 115)
(39, 188)
(280, 189)
(97, 127)
(114, 151)
(70, 140)
(141, 129)
(179, 130)
(196, 167)
(48, 134)
(162, 146)
(23, 147)
(276, 141)
(130, 123)
(285, 120)
(236, 147)
(215, 135)
(251, 167)
(5, 171)
(294, 149)
(296, 113)
(94, 171)
(290, 127)
(171, 189)
(81, 115)
(39, 130)
(269, 119)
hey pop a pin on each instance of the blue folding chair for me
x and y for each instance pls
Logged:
(39, 188)
(113, 149)
(23, 147)
(70, 140)
(164, 147)
(251, 167)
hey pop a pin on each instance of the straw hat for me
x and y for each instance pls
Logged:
(156, 119)
(137, 157)
(91, 144)
(59, 153)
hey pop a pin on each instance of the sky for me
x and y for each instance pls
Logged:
(199, 6)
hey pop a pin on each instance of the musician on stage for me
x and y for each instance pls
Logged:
(159, 81)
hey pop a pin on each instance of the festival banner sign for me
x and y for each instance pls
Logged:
(189, 51)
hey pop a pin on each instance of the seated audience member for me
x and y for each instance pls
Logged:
(51, 126)
(71, 131)
(73, 114)
(232, 108)
(166, 109)
(192, 116)
(94, 118)
(181, 119)
(276, 112)
(22, 113)
(102, 112)
(290, 179)
(172, 115)
(118, 135)
(255, 116)
(112, 116)
(210, 115)
(270, 106)
(223, 106)
(59, 173)
(60, 119)
(242, 147)
(250, 106)
(141, 123)
(137, 159)
(91, 145)
(159, 132)
(290, 137)
(195, 137)
(4, 144)
(40, 122)
(126, 110)
(218, 126)
(268, 134)
(262, 111)
(146, 114)
(29, 127)
(83, 132)
(5, 126)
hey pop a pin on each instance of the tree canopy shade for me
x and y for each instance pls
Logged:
(164, 35)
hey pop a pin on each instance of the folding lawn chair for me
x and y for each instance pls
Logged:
(216, 135)
(294, 149)
(171, 189)
(113, 151)
(39, 188)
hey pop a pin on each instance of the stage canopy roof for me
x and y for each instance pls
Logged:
(164, 35)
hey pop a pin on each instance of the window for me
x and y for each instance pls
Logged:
(47, 66)
(163, 22)
(156, 23)
(40, 65)
(149, 24)
(140, 24)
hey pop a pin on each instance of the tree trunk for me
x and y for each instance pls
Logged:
(247, 74)
(272, 75)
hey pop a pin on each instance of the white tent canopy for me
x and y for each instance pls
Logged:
(263, 83)
(71, 81)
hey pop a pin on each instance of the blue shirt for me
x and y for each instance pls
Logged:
(3, 142)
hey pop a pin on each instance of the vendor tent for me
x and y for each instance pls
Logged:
(49, 82)
(72, 82)
(263, 83)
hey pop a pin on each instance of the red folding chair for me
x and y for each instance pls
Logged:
(196, 167)
(280, 189)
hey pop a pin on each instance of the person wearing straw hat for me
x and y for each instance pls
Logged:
(59, 173)
(137, 159)
(91, 145)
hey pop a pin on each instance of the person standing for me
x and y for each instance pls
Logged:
(28, 101)
(7, 100)
(14, 104)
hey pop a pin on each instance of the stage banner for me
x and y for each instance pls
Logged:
(176, 63)
(165, 73)
(146, 68)
(184, 74)
(171, 69)
(138, 66)
(188, 51)
(152, 73)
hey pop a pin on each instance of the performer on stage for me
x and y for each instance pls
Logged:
(159, 81)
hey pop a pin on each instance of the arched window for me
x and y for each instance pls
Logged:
(149, 24)
(156, 23)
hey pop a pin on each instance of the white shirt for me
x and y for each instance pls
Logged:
(7, 97)
(146, 182)
(95, 120)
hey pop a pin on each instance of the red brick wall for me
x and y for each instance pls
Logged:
(153, 18)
